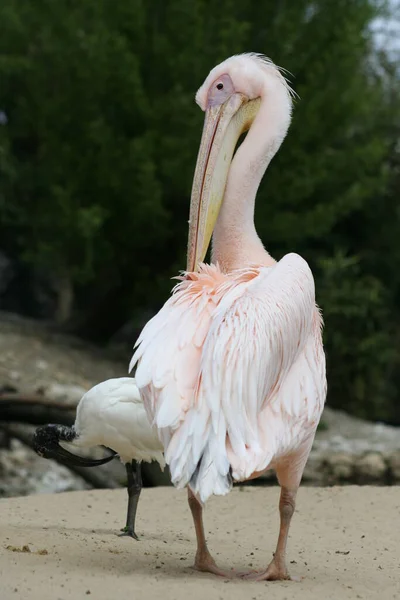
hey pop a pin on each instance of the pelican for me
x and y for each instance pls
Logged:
(110, 414)
(232, 368)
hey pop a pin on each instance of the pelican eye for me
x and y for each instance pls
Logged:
(220, 86)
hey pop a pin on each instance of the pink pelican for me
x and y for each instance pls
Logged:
(232, 368)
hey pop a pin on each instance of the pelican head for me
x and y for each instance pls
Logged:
(231, 97)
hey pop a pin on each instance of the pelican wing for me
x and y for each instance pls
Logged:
(258, 332)
(256, 336)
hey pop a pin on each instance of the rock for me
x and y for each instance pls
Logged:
(349, 449)
(8, 389)
(5, 441)
(371, 468)
(64, 392)
(23, 473)
(314, 471)
(394, 466)
(341, 466)
(42, 365)
(350, 435)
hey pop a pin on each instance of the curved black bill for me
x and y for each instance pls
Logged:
(72, 459)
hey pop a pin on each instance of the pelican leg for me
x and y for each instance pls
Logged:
(203, 560)
(277, 568)
(289, 473)
(134, 474)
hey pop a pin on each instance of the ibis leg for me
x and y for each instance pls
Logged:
(134, 474)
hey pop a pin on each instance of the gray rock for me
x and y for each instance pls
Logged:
(394, 465)
(23, 472)
(340, 466)
(371, 468)
(64, 393)
(351, 435)
(315, 470)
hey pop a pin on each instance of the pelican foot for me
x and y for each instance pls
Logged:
(206, 564)
(274, 572)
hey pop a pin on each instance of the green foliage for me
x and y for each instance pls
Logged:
(358, 338)
(98, 154)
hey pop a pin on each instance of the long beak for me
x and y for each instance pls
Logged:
(68, 458)
(222, 128)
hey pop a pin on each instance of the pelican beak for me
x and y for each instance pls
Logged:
(223, 126)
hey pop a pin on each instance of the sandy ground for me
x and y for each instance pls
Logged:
(345, 542)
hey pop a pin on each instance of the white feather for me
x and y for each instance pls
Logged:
(112, 414)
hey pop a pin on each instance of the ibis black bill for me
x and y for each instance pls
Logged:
(46, 443)
(63, 455)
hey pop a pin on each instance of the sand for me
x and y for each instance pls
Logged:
(345, 543)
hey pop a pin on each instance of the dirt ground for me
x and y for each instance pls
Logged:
(344, 543)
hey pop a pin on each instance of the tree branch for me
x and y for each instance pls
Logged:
(35, 410)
